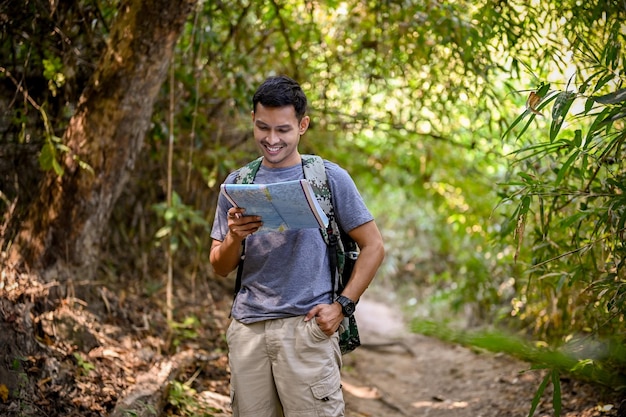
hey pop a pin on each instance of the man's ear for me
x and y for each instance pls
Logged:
(304, 124)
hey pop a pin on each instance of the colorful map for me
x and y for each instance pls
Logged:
(282, 206)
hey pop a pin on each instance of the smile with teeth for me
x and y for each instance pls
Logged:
(273, 148)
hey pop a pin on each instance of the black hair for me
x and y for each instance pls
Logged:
(279, 91)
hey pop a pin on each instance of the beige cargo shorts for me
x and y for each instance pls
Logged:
(284, 367)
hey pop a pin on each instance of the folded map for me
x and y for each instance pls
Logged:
(282, 206)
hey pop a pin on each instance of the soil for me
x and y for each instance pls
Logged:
(96, 354)
(422, 376)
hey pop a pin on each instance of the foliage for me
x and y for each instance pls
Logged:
(47, 54)
(180, 220)
(571, 212)
(182, 399)
(556, 394)
(187, 330)
(84, 365)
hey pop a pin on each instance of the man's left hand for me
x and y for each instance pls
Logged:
(328, 317)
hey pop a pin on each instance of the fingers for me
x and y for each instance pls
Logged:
(242, 226)
(235, 213)
(328, 319)
(312, 313)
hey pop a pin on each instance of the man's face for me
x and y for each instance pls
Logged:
(277, 134)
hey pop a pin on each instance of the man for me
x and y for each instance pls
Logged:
(283, 342)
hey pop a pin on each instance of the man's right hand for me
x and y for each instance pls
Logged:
(225, 255)
(240, 226)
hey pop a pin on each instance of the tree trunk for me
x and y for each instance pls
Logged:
(62, 232)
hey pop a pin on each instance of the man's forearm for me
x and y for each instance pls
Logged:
(370, 258)
(225, 255)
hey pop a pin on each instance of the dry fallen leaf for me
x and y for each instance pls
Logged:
(4, 393)
(533, 101)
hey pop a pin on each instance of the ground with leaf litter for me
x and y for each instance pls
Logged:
(112, 353)
(422, 376)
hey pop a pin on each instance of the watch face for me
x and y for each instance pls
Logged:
(347, 305)
(348, 309)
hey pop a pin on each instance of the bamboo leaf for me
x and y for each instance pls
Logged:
(543, 92)
(541, 148)
(597, 123)
(515, 123)
(565, 167)
(528, 180)
(612, 117)
(612, 98)
(525, 205)
(538, 394)
(562, 105)
(589, 104)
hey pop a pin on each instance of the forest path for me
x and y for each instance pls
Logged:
(422, 376)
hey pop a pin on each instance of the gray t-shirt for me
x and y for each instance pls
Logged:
(287, 273)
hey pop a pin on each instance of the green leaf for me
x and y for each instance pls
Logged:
(58, 169)
(540, 148)
(169, 214)
(604, 80)
(543, 89)
(515, 123)
(48, 160)
(541, 92)
(612, 98)
(562, 105)
(613, 116)
(525, 205)
(589, 104)
(527, 178)
(538, 394)
(46, 156)
(597, 123)
(565, 167)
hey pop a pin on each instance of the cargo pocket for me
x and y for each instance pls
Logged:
(327, 392)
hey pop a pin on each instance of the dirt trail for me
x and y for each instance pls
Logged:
(421, 376)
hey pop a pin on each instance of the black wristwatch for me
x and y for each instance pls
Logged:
(347, 305)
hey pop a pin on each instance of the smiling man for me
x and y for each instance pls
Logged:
(283, 344)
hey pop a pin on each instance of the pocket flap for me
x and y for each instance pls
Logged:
(326, 387)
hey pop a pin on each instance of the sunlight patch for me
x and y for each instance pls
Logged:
(441, 405)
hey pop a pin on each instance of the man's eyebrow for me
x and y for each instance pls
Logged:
(263, 124)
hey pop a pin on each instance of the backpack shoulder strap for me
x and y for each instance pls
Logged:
(247, 172)
(315, 173)
(245, 175)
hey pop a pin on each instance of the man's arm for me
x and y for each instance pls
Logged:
(372, 252)
(225, 255)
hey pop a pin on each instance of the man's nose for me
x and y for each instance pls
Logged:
(273, 137)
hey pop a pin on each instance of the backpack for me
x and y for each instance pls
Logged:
(343, 249)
